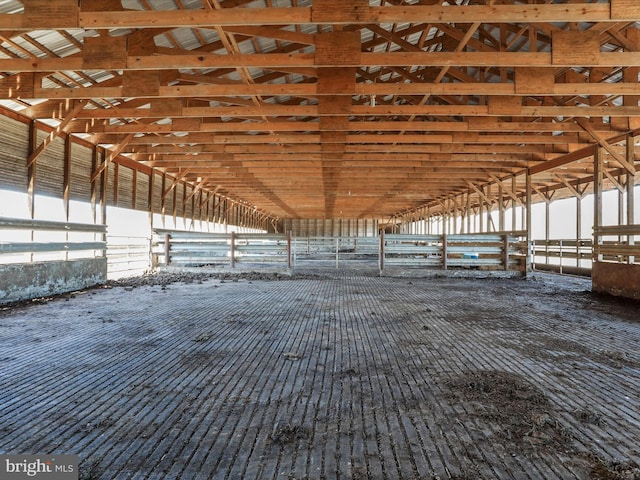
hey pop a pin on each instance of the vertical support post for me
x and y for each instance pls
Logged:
(597, 199)
(444, 251)
(152, 260)
(547, 229)
(337, 248)
(233, 249)
(66, 183)
(31, 168)
(621, 203)
(561, 255)
(469, 212)
(94, 189)
(116, 182)
(193, 211)
(381, 251)
(481, 210)
(104, 185)
(500, 209)
(167, 247)
(452, 216)
(66, 176)
(578, 228)
(289, 250)
(631, 182)
(163, 203)
(225, 215)
(31, 175)
(458, 214)
(184, 204)
(514, 204)
(174, 207)
(528, 221)
(150, 197)
(489, 217)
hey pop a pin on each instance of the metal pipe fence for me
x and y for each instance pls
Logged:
(486, 251)
(496, 251)
(27, 241)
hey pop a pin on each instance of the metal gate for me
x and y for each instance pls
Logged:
(337, 252)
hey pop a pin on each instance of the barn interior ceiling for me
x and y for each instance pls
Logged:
(334, 108)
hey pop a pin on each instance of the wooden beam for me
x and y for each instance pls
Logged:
(112, 156)
(604, 144)
(508, 190)
(480, 193)
(571, 188)
(197, 188)
(614, 181)
(175, 182)
(70, 115)
(528, 222)
(310, 89)
(631, 183)
(579, 12)
(201, 61)
(94, 186)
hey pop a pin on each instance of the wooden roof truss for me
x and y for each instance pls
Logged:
(333, 108)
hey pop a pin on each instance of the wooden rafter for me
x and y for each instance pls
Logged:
(338, 109)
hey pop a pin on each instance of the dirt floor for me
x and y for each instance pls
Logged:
(326, 374)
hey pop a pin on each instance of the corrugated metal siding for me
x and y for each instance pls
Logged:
(142, 195)
(80, 184)
(50, 168)
(49, 177)
(157, 193)
(125, 187)
(187, 207)
(110, 182)
(168, 201)
(179, 196)
(14, 138)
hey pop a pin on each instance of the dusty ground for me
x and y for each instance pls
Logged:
(326, 375)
